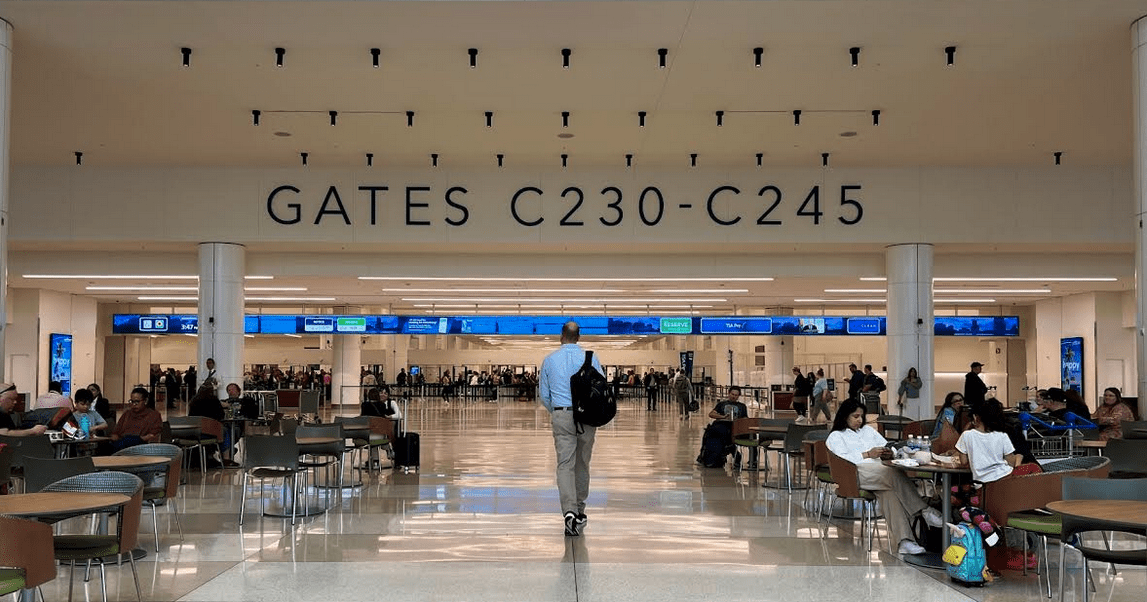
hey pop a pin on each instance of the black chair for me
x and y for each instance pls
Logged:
(1134, 429)
(1076, 488)
(37, 446)
(41, 472)
(794, 447)
(1128, 458)
(270, 457)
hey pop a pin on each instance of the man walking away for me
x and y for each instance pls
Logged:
(574, 449)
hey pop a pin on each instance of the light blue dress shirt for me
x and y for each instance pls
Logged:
(557, 368)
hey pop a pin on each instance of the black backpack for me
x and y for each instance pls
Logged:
(593, 400)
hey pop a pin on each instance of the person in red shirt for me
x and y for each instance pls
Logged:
(140, 424)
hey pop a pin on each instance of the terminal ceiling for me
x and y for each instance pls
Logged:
(1030, 78)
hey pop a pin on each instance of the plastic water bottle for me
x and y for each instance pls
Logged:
(85, 426)
(912, 446)
(926, 444)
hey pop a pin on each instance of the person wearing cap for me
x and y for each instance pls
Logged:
(8, 397)
(975, 391)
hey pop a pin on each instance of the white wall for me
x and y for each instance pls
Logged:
(36, 314)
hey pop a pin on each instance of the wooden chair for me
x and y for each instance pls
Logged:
(95, 548)
(168, 488)
(26, 559)
(847, 481)
(1016, 502)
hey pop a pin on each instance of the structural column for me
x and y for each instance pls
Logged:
(778, 353)
(910, 324)
(1138, 165)
(221, 270)
(346, 368)
(5, 109)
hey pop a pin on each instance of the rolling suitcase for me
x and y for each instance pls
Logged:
(406, 445)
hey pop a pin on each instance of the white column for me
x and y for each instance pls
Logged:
(346, 367)
(910, 323)
(778, 353)
(5, 108)
(1139, 108)
(221, 270)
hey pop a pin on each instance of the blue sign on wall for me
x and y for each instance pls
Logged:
(60, 360)
(1005, 326)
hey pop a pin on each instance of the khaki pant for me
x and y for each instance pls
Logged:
(899, 500)
(574, 452)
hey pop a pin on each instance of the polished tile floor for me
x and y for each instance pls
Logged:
(480, 521)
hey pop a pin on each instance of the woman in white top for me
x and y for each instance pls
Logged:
(860, 444)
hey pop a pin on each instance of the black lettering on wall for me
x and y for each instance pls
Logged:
(374, 190)
(458, 206)
(298, 209)
(410, 205)
(514, 206)
(332, 193)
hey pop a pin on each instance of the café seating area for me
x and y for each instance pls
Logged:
(479, 521)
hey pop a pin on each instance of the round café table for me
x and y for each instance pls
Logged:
(302, 509)
(1116, 513)
(934, 560)
(35, 505)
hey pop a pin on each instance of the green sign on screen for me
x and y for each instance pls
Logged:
(676, 325)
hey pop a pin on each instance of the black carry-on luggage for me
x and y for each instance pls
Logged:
(406, 446)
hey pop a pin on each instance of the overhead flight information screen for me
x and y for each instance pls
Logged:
(981, 326)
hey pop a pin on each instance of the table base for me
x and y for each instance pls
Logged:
(927, 560)
(301, 511)
(137, 553)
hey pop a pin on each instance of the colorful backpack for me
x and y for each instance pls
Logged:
(965, 559)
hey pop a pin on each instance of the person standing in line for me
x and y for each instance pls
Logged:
(909, 389)
(651, 391)
(683, 390)
(855, 382)
(975, 391)
(802, 391)
(821, 397)
(573, 448)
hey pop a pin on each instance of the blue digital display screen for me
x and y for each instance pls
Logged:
(60, 360)
(1007, 326)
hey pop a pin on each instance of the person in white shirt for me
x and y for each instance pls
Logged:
(53, 398)
(985, 447)
(860, 444)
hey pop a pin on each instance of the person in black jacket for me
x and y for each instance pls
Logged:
(855, 383)
(100, 404)
(975, 391)
(802, 391)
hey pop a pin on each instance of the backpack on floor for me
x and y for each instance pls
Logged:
(965, 559)
(713, 449)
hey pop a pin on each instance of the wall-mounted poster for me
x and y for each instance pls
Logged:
(60, 360)
(1071, 364)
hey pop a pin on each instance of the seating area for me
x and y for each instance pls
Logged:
(485, 496)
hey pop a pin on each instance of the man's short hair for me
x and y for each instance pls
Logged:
(142, 392)
(83, 396)
(868, 367)
(852, 365)
(571, 331)
(735, 388)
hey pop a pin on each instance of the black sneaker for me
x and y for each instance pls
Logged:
(581, 520)
(571, 525)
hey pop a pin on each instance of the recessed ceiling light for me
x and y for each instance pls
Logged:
(848, 134)
(283, 134)
(565, 135)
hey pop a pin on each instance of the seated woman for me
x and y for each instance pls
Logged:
(860, 444)
(1111, 414)
(953, 402)
(987, 449)
(377, 403)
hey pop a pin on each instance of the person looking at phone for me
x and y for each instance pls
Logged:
(862, 445)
